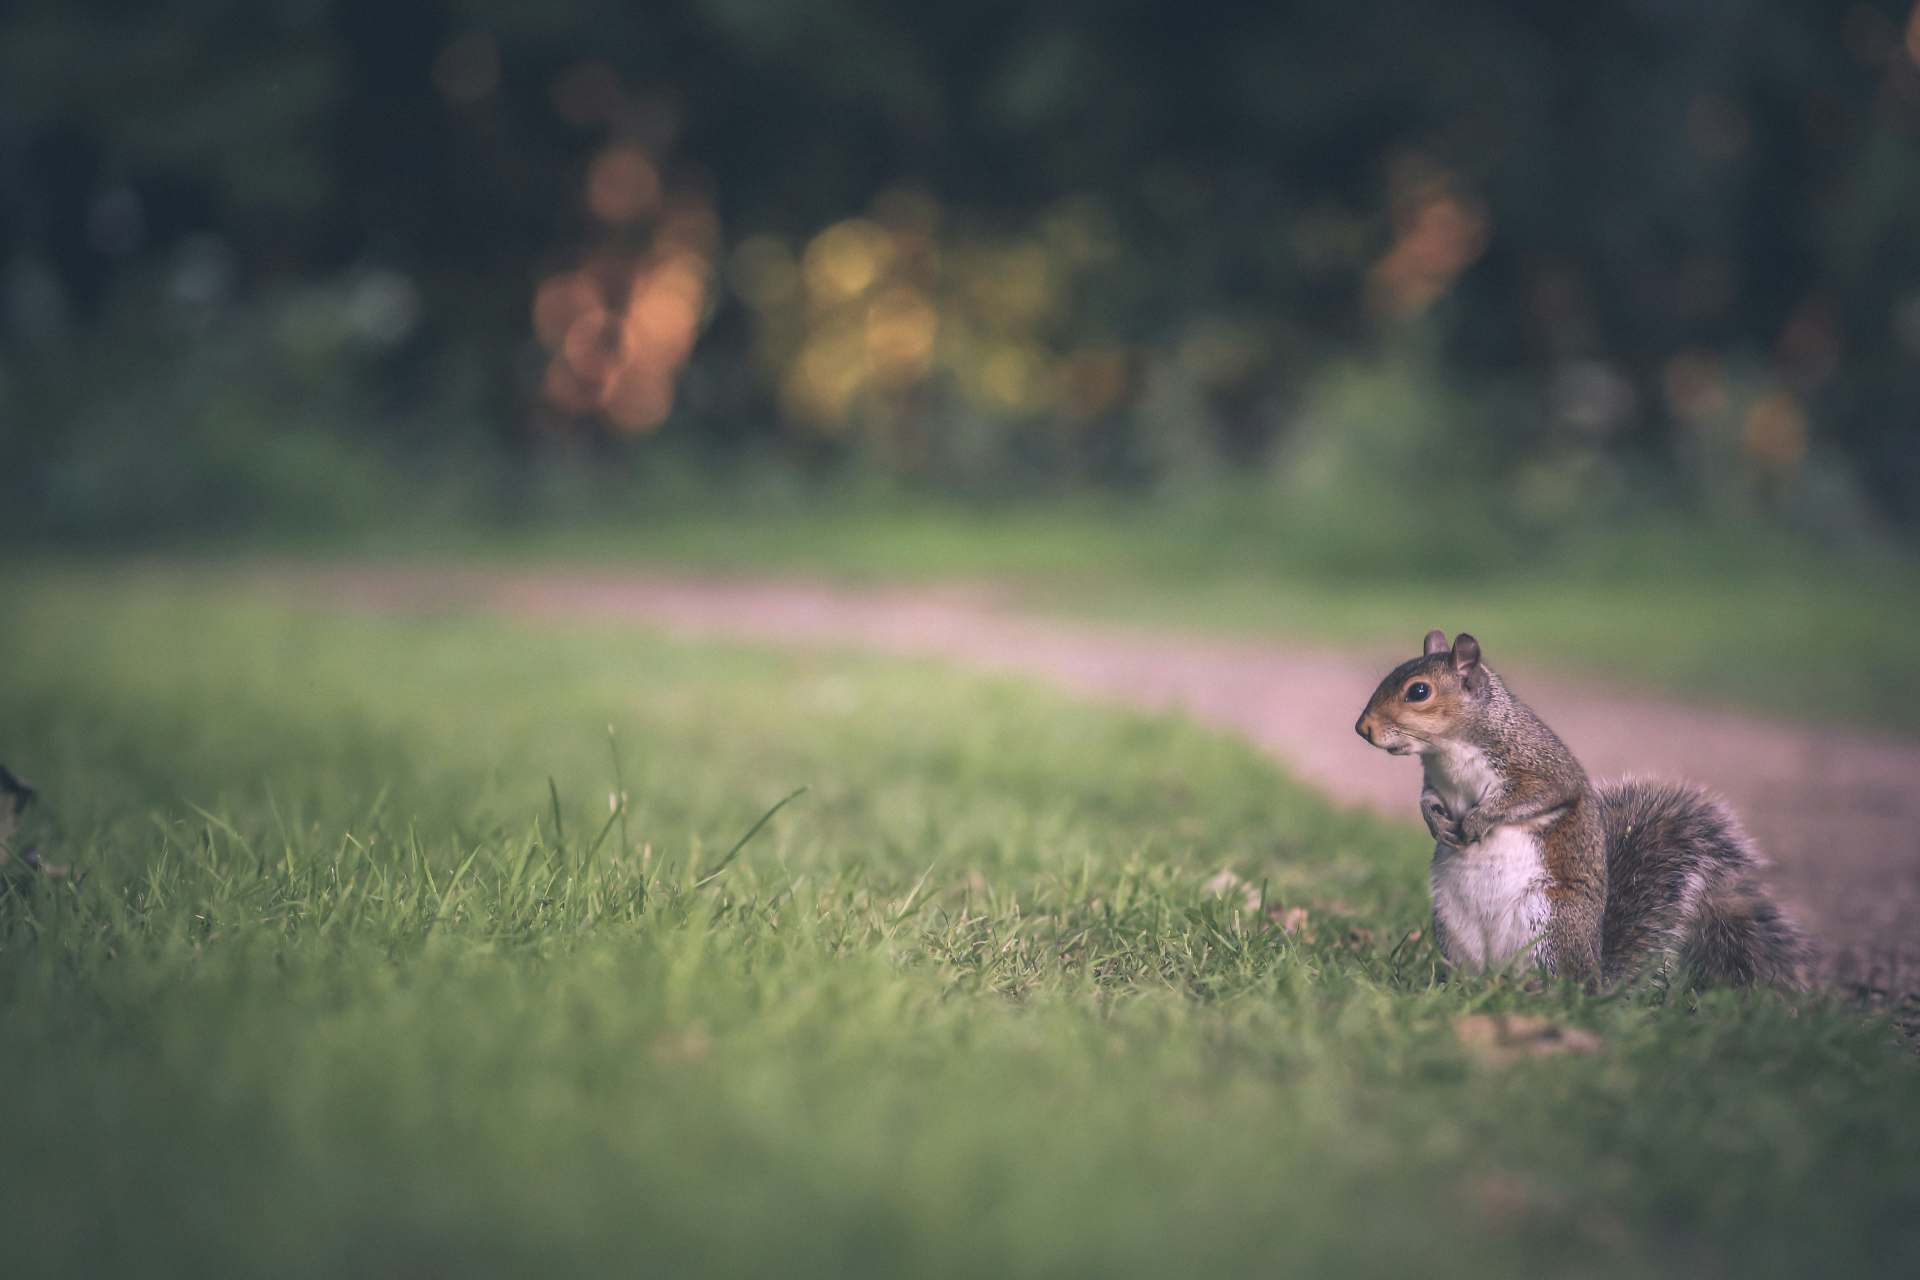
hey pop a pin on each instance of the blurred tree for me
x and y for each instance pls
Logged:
(1647, 233)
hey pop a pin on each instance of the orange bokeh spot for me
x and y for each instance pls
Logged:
(1695, 387)
(1438, 241)
(689, 226)
(682, 276)
(558, 302)
(622, 185)
(663, 311)
(566, 390)
(1440, 229)
(639, 398)
(622, 324)
(900, 330)
(589, 346)
(1775, 431)
(661, 325)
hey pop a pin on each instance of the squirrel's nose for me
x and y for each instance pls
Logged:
(1364, 728)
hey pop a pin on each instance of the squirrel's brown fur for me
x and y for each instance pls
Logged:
(1634, 874)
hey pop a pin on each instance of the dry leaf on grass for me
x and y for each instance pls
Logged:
(1228, 883)
(683, 1048)
(1502, 1038)
(32, 861)
(1290, 919)
(1506, 1199)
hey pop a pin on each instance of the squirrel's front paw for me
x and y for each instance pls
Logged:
(1440, 823)
(1474, 827)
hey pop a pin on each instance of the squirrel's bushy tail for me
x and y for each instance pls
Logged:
(1683, 891)
(1741, 937)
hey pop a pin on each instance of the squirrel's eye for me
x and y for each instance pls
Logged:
(1419, 691)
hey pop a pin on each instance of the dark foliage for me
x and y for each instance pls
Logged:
(1643, 235)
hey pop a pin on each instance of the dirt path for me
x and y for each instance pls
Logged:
(1838, 811)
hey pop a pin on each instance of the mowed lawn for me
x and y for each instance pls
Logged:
(411, 945)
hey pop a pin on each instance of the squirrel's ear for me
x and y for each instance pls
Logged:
(1466, 657)
(1436, 643)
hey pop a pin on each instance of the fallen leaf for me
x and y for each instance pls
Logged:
(1290, 919)
(1503, 1038)
(1227, 883)
(1223, 883)
(682, 1048)
(53, 870)
(1504, 1199)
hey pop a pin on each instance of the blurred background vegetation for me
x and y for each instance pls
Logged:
(320, 265)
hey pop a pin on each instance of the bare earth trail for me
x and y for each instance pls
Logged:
(1837, 810)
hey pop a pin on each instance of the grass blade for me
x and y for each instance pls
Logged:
(752, 831)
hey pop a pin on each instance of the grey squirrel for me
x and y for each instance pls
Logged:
(1532, 860)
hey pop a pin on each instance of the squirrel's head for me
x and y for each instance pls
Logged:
(1428, 699)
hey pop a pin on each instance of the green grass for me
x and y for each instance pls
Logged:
(350, 985)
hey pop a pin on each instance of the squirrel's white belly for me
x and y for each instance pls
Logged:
(1491, 900)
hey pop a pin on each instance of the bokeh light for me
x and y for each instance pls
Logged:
(620, 328)
(1439, 230)
(887, 324)
(622, 184)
